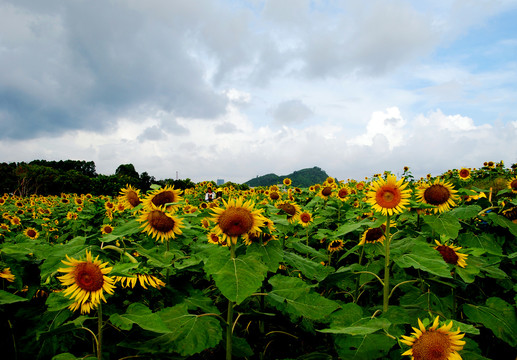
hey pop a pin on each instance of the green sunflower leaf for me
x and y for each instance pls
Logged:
(236, 278)
(294, 296)
(444, 224)
(365, 347)
(498, 316)
(188, 334)
(270, 254)
(8, 298)
(142, 316)
(420, 255)
(311, 269)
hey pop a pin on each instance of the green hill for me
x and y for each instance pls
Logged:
(300, 178)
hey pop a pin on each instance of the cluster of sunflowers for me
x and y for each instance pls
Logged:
(252, 216)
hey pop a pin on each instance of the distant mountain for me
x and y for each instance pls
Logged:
(300, 178)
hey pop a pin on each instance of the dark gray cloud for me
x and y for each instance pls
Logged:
(152, 133)
(291, 112)
(70, 63)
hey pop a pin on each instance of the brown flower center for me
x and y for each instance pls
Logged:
(160, 222)
(163, 198)
(388, 197)
(326, 191)
(288, 208)
(513, 184)
(274, 195)
(305, 217)
(432, 345)
(235, 221)
(31, 233)
(464, 173)
(436, 194)
(448, 254)
(132, 198)
(342, 193)
(375, 234)
(88, 276)
(108, 229)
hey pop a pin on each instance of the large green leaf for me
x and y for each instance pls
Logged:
(311, 269)
(188, 333)
(466, 212)
(129, 228)
(365, 347)
(236, 278)
(504, 222)
(498, 316)
(142, 316)
(270, 254)
(480, 244)
(444, 224)
(294, 296)
(8, 298)
(420, 255)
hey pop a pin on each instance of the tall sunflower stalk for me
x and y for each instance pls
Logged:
(388, 196)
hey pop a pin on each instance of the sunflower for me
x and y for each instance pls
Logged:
(335, 245)
(287, 182)
(205, 223)
(305, 218)
(325, 191)
(129, 196)
(143, 279)
(464, 174)
(512, 185)
(15, 220)
(86, 281)
(106, 229)
(343, 193)
(291, 208)
(274, 195)
(31, 233)
(237, 218)
(213, 238)
(373, 235)
(7, 275)
(451, 255)
(161, 224)
(435, 343)
(160, 197)
(388, 196)
(438, 193)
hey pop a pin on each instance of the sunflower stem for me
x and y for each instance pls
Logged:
(229, 315)
(359, 277)
(386, 292)
(99, 332)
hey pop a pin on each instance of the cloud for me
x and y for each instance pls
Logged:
(291, 112)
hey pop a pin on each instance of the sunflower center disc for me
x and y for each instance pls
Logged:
(89, 277)
(161, 222)
(448, 254)
(235, 221)
(432, 345)
(436, 194)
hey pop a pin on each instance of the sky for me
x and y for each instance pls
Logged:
(234, 89)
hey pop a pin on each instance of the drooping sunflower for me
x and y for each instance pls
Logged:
(464, 174)
(7, 275)
(325, 191)
(160, 197)
(335, 245)
(305, 218)
(160, 224)
(236, 218)
(438, 193)
(388, 196)
(86, 281)
(291, 208)
(451, 255)
(106, 229)
(373, 235)
(129, 196)
(31, 233)
(435, 343)
(512, 185)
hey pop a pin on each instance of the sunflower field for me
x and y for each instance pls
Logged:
(391, 267)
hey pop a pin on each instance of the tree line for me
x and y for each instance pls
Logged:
(44, 177)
